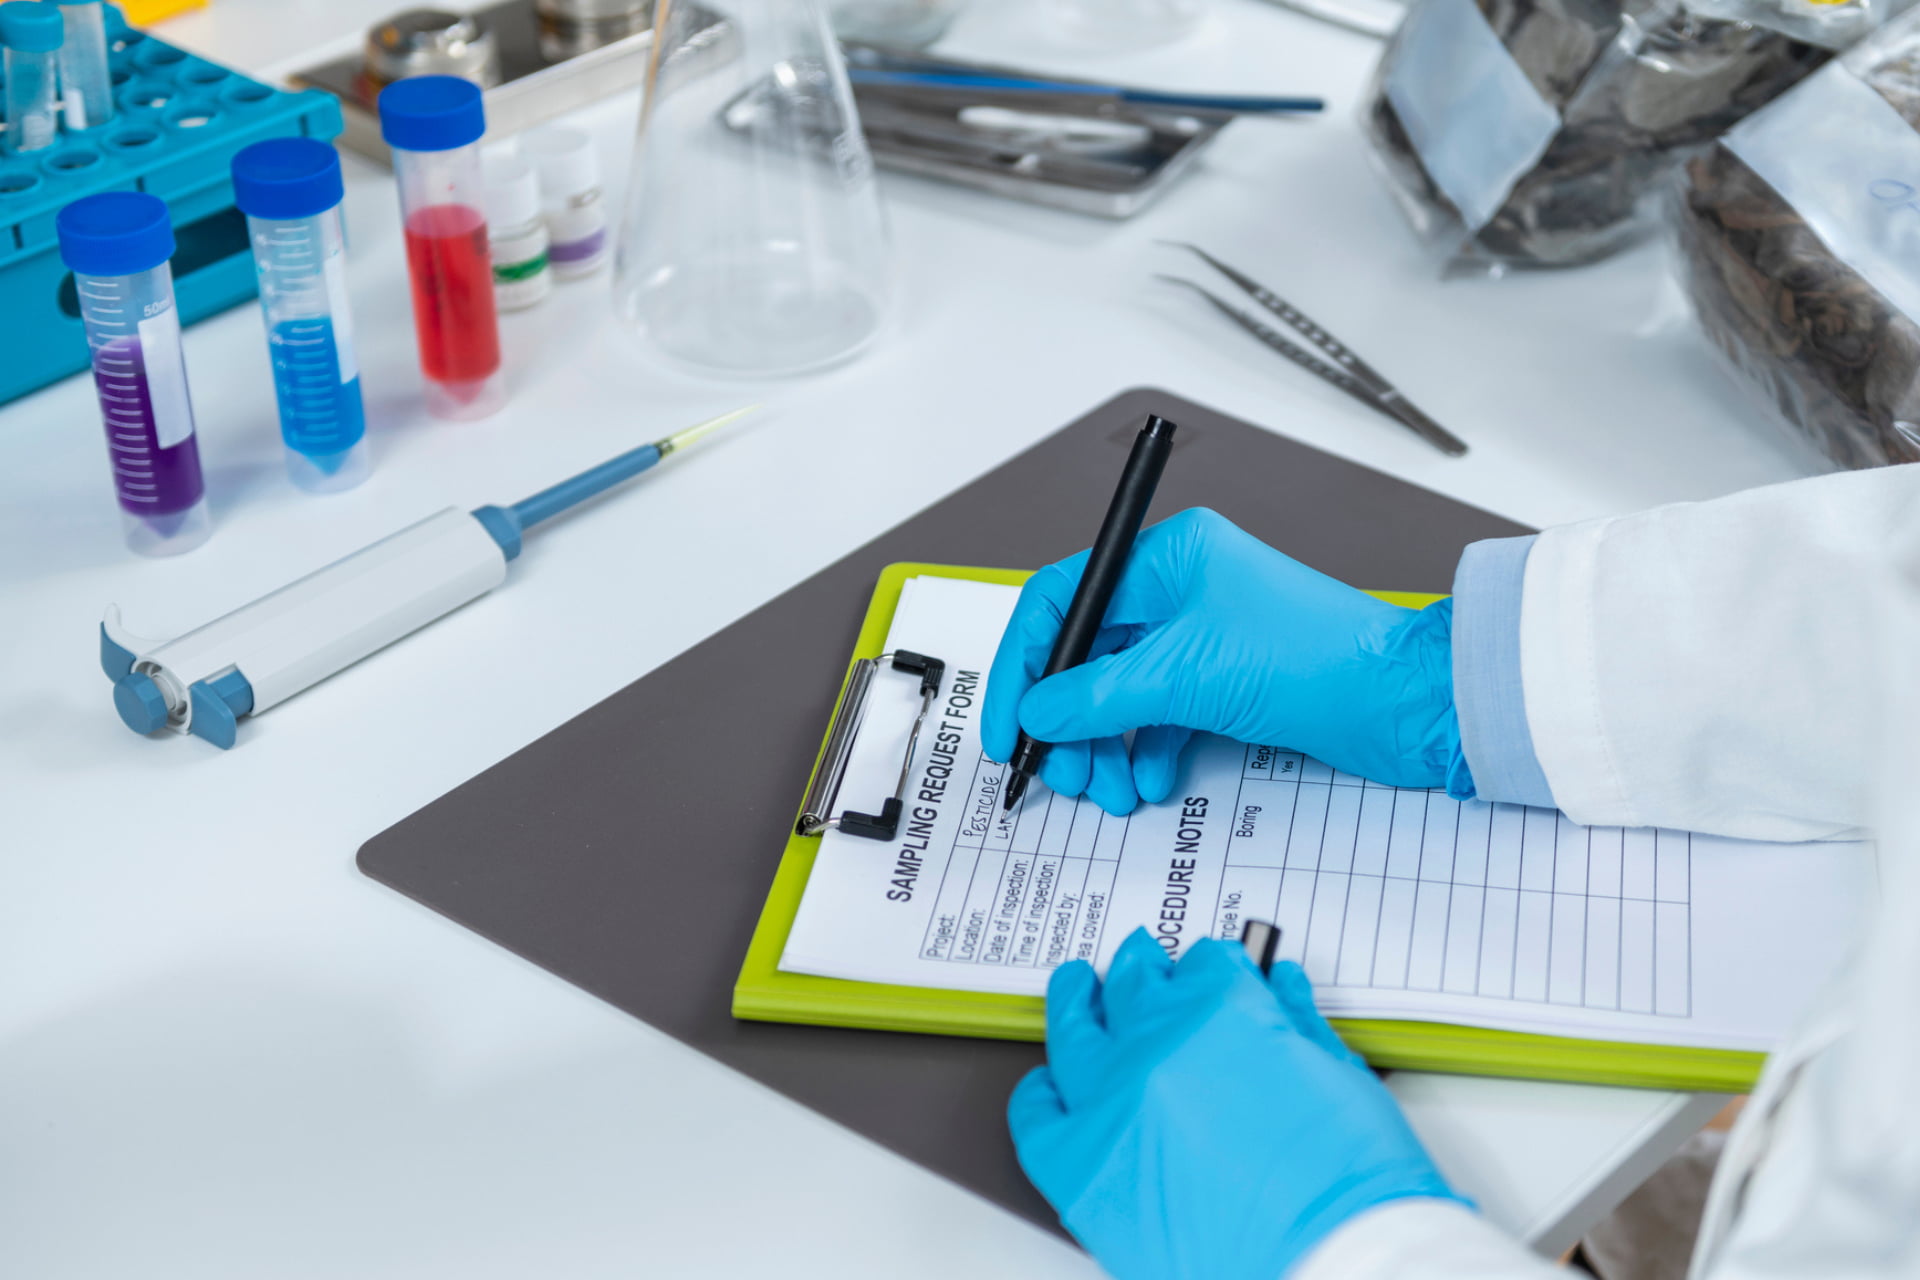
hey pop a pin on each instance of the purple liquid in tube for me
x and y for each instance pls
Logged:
(152, 480)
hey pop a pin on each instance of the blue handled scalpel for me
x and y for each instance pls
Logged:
(1144, 97)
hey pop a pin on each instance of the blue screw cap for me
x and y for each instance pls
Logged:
(140, 703)
(115, 233)
(31, 27)
(287, 178)
(432, 113)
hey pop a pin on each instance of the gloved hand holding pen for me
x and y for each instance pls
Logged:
(1213, 630)
(1673, 668)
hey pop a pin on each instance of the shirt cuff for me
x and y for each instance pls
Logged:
(1418, 1239)
(1488, 696)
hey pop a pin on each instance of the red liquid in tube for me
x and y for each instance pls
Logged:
(453, 313)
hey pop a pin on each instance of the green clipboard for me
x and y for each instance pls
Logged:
(765, 994)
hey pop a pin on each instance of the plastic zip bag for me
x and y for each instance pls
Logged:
(1536, 133)
(1799, 245)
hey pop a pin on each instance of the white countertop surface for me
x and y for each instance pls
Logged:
(224, 1053)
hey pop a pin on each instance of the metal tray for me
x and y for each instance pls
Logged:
(533, 88)
(919, 131)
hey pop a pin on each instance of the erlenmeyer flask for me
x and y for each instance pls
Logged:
(752, 241)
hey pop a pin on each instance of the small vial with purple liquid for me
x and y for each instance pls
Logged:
(569, 171)
(117, 244)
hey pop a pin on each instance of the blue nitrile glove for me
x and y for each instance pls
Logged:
(1211, 629)
(1198, 1120)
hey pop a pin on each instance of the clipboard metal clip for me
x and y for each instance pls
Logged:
(816, 813)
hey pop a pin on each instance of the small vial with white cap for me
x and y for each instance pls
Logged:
(571, 200)
(117, 244)
(516, 235)
(32, 34)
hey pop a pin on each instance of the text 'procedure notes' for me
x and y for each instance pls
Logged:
(1400, 903)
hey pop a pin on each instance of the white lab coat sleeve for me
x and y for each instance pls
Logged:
(1421, 1240)
(1708, 666)
(1821, 1178)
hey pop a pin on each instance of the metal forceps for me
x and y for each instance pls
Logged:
(1335, 363)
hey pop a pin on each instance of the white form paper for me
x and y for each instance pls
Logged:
(1400, 903)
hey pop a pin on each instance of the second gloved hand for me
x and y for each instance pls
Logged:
(1211, 629)
(1199, 1120)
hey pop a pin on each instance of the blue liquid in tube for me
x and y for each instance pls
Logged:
(291, 189)
(321, 415)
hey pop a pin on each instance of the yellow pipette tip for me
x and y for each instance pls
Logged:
(681, 439)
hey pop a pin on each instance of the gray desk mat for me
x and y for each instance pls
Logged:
(562, 851)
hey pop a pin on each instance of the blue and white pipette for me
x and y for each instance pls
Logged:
(265, 652)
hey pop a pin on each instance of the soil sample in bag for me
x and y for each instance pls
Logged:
(1799, 244)
(1538, 133)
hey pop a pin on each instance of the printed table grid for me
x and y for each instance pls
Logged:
(1373, 886)
(1434, 894)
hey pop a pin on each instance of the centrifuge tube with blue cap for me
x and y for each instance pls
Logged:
(117, 244)
(433, 126)
(290, 190)
(32, 35)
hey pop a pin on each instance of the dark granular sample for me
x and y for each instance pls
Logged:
(1840, 361)
(1638, 87)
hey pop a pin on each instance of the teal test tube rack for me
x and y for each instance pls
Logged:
(178, 120)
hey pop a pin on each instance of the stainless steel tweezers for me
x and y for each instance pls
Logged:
(1336, 362)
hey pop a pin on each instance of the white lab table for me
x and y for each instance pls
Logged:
(224, 1053)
